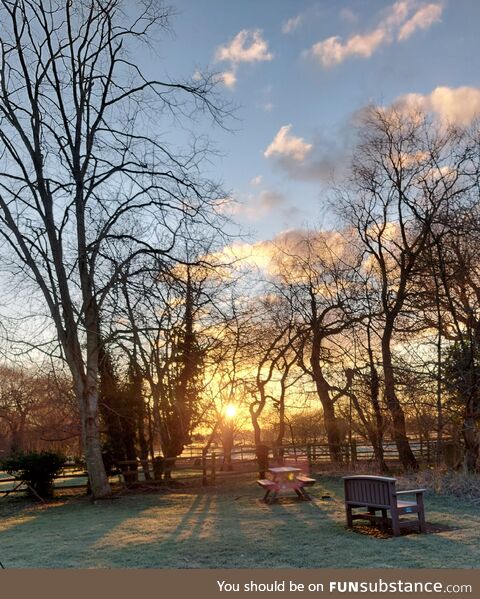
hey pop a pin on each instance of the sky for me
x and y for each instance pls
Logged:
(298, 71)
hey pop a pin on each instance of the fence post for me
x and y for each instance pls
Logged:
(213, 467)
(309, 456)
(353, 451)
(204, 467)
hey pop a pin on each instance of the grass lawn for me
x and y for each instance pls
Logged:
(225, 527)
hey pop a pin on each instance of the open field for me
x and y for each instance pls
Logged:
(225, 526)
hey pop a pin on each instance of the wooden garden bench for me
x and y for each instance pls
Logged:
(378, 493)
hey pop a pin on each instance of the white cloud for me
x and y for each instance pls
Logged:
(291, 24)
(255, 206)
(399, 22)
(302, 161)
(333, 51)
(422, 19)
(456, 106)
(256, 180)
(289, 146)
(228, 78)
(246, 46)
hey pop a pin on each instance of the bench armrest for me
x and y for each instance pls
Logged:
(410, 492)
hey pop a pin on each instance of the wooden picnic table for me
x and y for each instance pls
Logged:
(285, 478)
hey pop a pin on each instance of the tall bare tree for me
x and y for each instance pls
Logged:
(318, 280)
(405, 170)
(83, 168)
(454, 263)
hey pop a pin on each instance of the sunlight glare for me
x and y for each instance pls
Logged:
(230, 411)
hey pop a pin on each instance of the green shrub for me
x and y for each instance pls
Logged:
(37, 469)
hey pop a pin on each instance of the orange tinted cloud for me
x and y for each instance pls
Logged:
(399, 22)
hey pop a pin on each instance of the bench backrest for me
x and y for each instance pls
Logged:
(375, 491)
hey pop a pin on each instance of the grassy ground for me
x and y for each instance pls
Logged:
(224, 527)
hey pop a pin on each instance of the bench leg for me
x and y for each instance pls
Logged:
(349, 517)
(265, 497)
(302, 494)
(421, 514)
(395, 523)
(373, 512)
(273, 496)
(384, 520)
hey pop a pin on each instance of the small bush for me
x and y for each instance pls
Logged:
(37, 469)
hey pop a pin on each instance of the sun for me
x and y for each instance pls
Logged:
(230, 411)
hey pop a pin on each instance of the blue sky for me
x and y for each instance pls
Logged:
(299, 70)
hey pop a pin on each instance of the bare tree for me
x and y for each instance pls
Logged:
(37, 411)
(457, 299)
(83, 171)
(318, 279)
(405, 170)
(171, 323)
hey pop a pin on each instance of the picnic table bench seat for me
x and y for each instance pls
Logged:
(265, 483)
(307, 481)
(378, 493)
(268, 485)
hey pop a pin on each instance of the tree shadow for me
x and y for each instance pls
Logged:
(46, 536)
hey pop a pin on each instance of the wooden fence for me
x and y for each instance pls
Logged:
(70, 477)
(197, 465)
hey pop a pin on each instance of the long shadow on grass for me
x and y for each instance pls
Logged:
(63, 535)
(194, 518)
(208, 534)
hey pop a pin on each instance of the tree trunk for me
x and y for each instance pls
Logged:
(323, 392)
(333, 433)
(257, 431)
(379, 453)
(86, 391)
(405, 452)
(377, 433)
(472, 445)
(17, 443)
(143, 443)
(329, 419)
(97, 477)
(278, 449)
(374, 431)
(227, 442)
